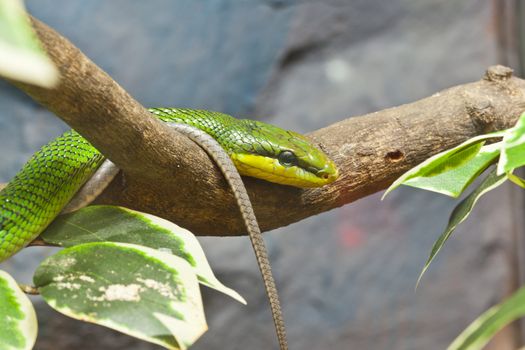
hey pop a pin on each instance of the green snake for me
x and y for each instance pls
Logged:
(54, 175)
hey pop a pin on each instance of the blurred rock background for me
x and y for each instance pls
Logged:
(346, 277)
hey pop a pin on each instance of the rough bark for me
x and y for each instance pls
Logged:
(167, 175)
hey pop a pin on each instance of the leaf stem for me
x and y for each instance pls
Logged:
(39, 242)
(31, 290)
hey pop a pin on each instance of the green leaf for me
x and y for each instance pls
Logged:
(479, 332)
(453, 182)
(136, 290)
(116, 224)
(18, 324)
(446, 161)
(461, 212)
(21, 56)
(513, 147)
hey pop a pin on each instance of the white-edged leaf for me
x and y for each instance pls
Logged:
(453, 182)
(18, 324)
(513, 148)
(479, 332)
(136, 290)
(101, 223)
(21, 56)
(445, 161)
(461, 212)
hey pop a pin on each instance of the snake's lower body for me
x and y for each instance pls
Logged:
(54, 175)
(37, 194)
(51, 178)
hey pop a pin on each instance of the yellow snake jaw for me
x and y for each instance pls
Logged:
(271, 170)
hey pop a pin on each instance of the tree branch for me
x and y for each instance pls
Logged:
(167, 175)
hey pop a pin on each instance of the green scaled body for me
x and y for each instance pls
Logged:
(42, 188)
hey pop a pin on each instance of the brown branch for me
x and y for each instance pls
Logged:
(167, 175)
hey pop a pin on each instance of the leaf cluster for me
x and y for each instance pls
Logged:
(450, 173)
(126, 270)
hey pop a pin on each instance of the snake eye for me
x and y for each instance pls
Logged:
(287, 158)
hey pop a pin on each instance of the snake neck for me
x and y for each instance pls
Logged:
(218, 125)
(236, 136)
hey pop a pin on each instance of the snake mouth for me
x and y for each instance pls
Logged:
(329, 176)
(270, 169)
(329, 172)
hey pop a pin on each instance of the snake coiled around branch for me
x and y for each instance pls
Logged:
(56, 173)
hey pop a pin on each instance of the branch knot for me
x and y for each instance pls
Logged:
(498, 73)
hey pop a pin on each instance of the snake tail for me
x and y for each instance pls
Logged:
(232, 176)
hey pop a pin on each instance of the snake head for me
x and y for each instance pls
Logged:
(281, 156)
